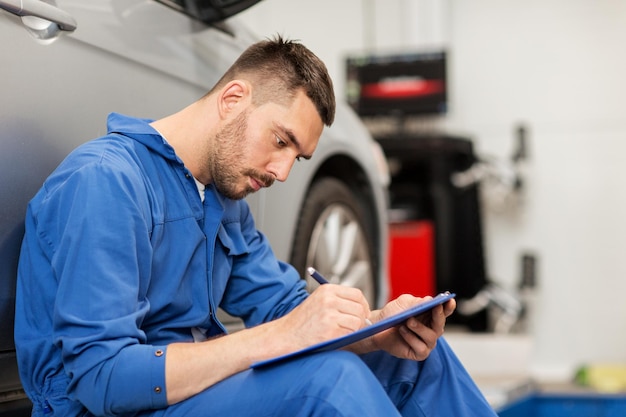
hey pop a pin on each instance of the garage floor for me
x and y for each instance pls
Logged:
(499, 364)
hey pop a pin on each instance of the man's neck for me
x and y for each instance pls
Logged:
(188, 131)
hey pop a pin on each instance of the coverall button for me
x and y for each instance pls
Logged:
(157, 390)
(158, 352)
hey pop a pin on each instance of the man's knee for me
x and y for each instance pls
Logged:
(342, 381)
(332, 371)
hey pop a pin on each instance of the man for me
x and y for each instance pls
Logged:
(139, 236)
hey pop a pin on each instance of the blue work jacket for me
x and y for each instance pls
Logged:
(121, 258)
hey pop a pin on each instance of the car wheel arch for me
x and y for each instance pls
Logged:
(346, 170)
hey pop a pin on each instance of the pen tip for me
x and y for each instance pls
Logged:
(310, 270)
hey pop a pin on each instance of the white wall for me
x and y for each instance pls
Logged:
(556, 65)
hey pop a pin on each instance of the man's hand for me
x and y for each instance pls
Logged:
(330, 311)
(414, 339)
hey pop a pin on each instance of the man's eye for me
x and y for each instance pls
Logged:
(281, 144)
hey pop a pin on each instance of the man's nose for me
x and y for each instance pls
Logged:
(281, 168)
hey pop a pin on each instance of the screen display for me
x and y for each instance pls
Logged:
(400, 84)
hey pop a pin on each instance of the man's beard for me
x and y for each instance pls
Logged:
(224, 164)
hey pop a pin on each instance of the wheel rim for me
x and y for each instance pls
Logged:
(339, 251)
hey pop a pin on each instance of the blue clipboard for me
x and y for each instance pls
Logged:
(360, 334)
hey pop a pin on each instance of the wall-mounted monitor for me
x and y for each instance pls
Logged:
(406, 84)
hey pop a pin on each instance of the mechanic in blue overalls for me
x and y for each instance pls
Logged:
(137, 238)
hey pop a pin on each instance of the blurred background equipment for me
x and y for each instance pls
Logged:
(438, 187)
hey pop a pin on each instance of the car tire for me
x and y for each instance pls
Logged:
(333, 237)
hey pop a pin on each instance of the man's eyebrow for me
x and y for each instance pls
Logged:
(295, 142)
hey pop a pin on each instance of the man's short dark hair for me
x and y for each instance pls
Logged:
(278, 68)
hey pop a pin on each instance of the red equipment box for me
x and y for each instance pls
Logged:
(411, 258)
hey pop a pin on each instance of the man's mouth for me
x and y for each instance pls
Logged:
(255, 184)
(258, 183)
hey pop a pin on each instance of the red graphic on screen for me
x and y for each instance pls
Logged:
(395, 88)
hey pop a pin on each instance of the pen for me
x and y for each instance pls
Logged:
(321, 280)
(317, 276)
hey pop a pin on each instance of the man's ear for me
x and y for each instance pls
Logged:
(233, 97)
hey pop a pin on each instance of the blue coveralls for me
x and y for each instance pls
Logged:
(121, 258)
